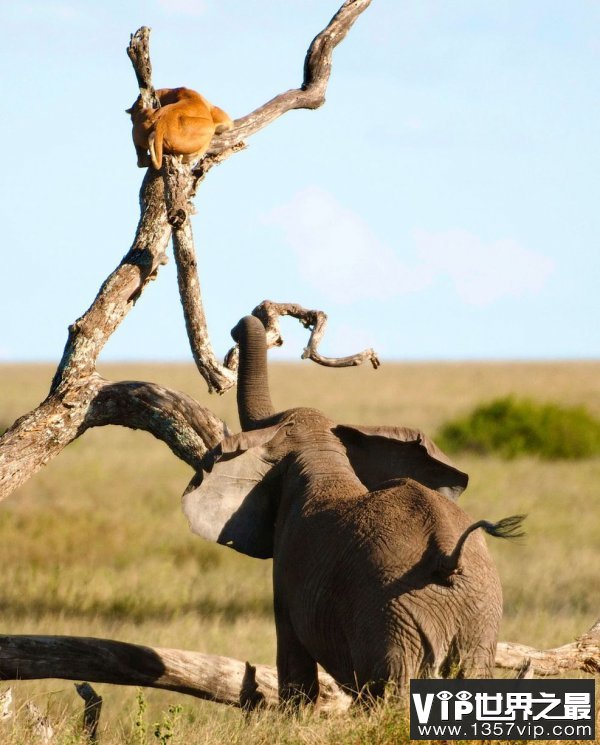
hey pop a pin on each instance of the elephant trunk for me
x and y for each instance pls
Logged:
(508, 527)
(253, 397)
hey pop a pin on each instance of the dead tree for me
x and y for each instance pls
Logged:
(79, 398)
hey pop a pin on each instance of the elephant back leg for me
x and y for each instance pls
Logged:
(395, 664)
(477, 641)
(296, 668)
(479, 661)
(371, 681)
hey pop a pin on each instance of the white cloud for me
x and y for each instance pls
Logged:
(339, 254)
(337, 251)
(45, 11)
(480, 272)
(183, 7)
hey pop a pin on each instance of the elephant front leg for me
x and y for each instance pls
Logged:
(296, 669)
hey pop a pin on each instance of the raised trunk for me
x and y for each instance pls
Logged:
(253, 397)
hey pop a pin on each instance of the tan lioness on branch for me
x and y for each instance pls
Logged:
(183, 125)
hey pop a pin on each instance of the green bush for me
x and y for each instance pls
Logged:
(512, 427)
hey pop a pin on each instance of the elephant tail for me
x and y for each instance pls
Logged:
(508, 527)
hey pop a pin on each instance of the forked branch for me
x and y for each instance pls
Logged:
(315, 320)
(181, 182)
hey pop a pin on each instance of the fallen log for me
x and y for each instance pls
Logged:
(225, 680)
(209, 677)
(582, 654)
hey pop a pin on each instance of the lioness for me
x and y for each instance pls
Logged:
(183, 125)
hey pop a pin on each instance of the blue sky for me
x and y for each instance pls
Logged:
(443, 204)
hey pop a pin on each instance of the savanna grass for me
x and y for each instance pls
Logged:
(96, 543)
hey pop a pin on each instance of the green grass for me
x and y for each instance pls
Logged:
(512, 427)
(96, 544)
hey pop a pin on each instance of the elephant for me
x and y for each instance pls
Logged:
(373, 576)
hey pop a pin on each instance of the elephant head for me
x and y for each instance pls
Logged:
(374, 577)
(238, 503)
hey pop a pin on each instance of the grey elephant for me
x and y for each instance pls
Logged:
(373, 575)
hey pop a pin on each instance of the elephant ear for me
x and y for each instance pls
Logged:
(380, 454)
(233, 505)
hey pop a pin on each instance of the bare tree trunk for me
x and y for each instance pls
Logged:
(39, 436)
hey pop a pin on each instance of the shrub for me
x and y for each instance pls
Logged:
(513, 427)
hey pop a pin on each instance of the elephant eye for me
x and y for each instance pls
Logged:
(444, 695)
(464, 695)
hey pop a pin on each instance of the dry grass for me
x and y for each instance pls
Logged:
(96, 543)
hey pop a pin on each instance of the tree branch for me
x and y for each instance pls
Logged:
(177, 419)
(311, 94)
(139, 54)
(188, 428)
(91, 710)
(120, 291)
(315, 320)
(178, 191)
